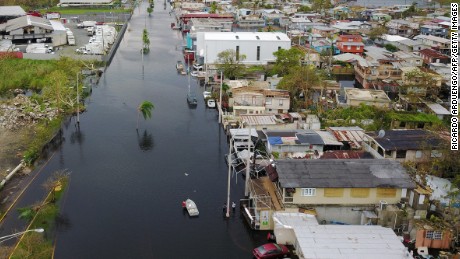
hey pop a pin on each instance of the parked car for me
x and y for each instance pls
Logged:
(211, 103)
(270, 250)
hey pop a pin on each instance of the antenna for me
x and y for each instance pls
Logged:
(381, 133)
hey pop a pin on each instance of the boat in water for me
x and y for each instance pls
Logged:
(191, 208)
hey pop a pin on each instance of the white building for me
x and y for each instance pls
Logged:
(258, 47)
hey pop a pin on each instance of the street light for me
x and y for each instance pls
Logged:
(8, 237)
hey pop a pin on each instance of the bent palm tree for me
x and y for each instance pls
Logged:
(145, 108)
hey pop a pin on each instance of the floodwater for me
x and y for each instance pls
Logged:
(126, 186)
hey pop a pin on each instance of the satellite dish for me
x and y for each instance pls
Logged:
(381, 133)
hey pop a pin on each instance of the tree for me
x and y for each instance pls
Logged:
(146, 41)
(418, 83)
(149, 10)
(320, 5)
(299, 82)
(57, 89)
(145, 108)
(230, 63)
(377, 32)
(213, 7)
(304, 9)
(286, 60)
(391, 48)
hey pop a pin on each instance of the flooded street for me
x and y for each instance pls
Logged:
(126, 187)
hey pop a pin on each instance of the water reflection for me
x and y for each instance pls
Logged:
(77, 136)
(145, 141)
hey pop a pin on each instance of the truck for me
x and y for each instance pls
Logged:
(86, 24)
(71, 40)
(90, 31)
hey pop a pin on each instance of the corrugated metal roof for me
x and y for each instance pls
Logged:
(438, 109)
(352, 135)
(255, 120)
(247, 36)
(346, 154)
(14, 10)
(342, 173)
(28, 20)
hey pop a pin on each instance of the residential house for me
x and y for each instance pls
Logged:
(186, 17)
(312, 57)
(192, 6)
(333, 187)
(409, 45)
(404, 145)
(302, 24)
(272, 16)
(209, 25)
(323, 31)
(438, 110)
(294, 143)
(409, 59)
(415, 80)
(351, 27)
(324, 46)
(356, 97)
(378, 70)
(250, 21)
(346, 154)
(258, 47)
(380, 17)
(434, 30)
(350, 44)
(437, 43)
(431, 56)
(253, 100)
(402, 28)
(432, 235)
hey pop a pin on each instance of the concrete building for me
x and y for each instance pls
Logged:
(377, 98)
(258, 47)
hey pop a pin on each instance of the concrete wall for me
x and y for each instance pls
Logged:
(348, 215)
(346, 198)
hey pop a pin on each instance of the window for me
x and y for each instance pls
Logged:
(333, 192)
(258, 53)
(435, 235)
(386, 192)
(268, 101)
(279, 47)
(358, 48)
(360, 192)
(237, 52)
(281, 102)
(308, 191)
(418, 154)
(401, 154)
(388, 153)
(348, 47)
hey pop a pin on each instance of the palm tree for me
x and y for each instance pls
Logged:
(145, 108)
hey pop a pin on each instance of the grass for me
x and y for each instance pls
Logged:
(32, 244)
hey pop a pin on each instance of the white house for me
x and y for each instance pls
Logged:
(258, 47)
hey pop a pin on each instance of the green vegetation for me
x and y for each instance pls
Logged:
(356, 116)
(145, 108)
(287, 61)
(230, 63)
(414, 117)
(304, 9)
(32, 244)
(377, 32)
(44, 132)
(146, 41)
(391, 48)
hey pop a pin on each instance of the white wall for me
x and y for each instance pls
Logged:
(209, 49)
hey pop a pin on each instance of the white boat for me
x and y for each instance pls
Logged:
(211, 103)
(191, 208)
(206, 95)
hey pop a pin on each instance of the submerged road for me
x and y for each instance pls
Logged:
(126, 186)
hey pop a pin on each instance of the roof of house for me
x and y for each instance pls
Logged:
(246, 36)
(293, 137)
(93, 2)
(351, 43)
(432, 53)
(342, 173)
(432, 38)
(438, 109)
(415, 139)
(367, 95)
(352, 135)
(346, 154)
(255, 120)
(14, 10)
(27, 20)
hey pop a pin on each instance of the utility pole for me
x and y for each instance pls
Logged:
(78, 104)
(220, 99)
(229, 161)
(248, 163)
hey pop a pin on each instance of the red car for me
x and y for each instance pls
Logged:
(270, 250)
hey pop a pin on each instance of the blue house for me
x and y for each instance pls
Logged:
(324, 45)
(434, 30)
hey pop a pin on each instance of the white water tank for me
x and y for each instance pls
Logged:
(383, 205)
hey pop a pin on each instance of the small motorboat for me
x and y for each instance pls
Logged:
(191, 208)
(211, 103)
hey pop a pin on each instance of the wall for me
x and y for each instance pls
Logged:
(346, 199)
(348, 215)
(443, 243)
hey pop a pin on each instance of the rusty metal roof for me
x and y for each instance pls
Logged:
(346, 154)
(352, 135)
(255, 120)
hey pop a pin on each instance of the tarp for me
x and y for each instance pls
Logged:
(275, 140)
